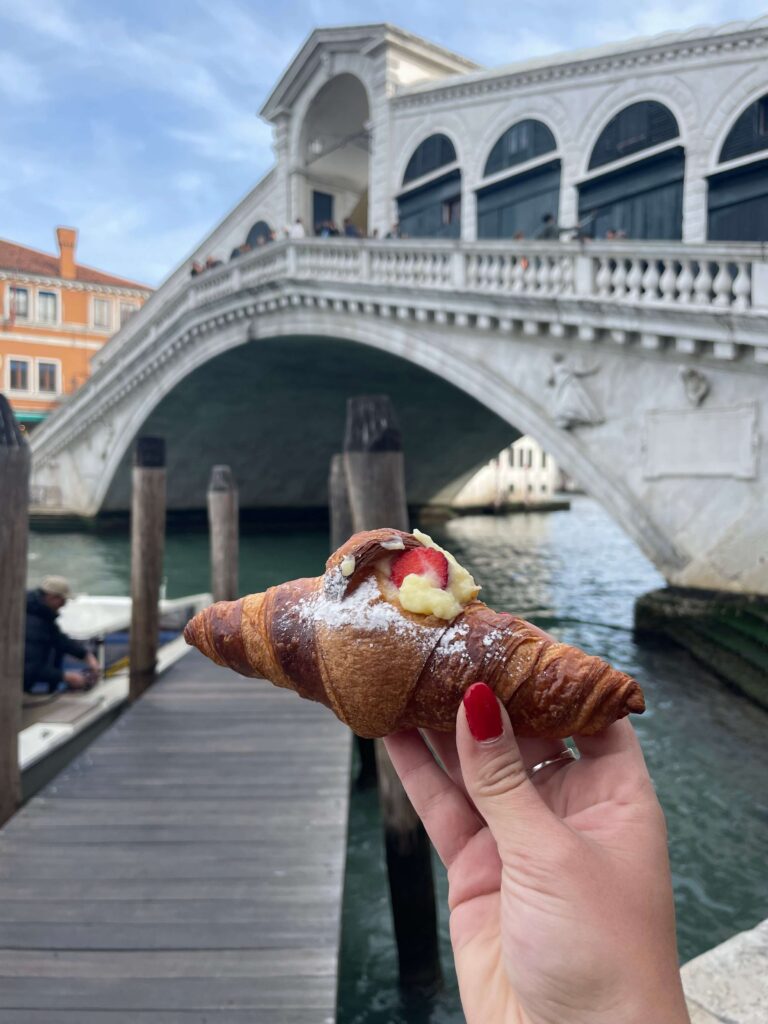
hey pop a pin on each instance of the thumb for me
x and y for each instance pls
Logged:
(494, 773)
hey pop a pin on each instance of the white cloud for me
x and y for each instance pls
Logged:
(44, 17)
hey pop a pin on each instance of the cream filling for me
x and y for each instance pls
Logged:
(419, 594)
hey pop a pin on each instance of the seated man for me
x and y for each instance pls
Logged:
(46, 645)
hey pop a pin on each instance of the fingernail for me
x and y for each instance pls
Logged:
(483, 713)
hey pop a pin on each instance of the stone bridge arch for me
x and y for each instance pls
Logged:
(683, 473)
(460, 364)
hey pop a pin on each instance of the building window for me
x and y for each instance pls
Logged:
(18, 303)
(47, 377)
(127, 309)
(101, 313)
(432, 154)
(637, 127)
(451, 210)
(46, 307)
(19, 374)
(524, 141)
(543, 460)
(762, 116)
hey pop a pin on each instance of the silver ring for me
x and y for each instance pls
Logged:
(562, 758)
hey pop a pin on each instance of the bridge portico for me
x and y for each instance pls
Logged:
(642, 368)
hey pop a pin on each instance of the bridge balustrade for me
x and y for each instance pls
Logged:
(714, 277)
(710, 294)
(664, 273)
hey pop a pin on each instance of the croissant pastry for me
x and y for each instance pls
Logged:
(392, 634)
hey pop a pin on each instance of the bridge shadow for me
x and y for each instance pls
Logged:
(275, 409)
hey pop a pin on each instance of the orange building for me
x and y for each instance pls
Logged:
(54, 314)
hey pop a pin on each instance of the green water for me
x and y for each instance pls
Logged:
(578, 575)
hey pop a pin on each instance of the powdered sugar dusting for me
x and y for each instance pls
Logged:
(492, 637)
(364, 609)
(334, 584)
(456, 634)
(454, 640)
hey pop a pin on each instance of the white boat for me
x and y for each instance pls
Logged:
(55, 727)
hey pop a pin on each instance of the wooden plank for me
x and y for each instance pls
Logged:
(262, 935)
(96, 833)
(228, 1016)
(274, 963)
(287, 889)
(260, 908)
(209, 812)
(182, 876)
(208, 991)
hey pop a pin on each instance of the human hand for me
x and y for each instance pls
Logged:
(559, 887)
(93, 663)
(75, 680)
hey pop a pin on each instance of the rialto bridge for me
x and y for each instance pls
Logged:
(642, 367)
(640, 362)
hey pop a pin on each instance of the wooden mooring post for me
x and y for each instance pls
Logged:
(342, 528)
(223, 527)
(147, 545)
(14, 520)
(375, 472)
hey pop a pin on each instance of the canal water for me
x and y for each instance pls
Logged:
(577, 575)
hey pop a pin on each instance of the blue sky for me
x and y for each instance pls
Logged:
(135, 121)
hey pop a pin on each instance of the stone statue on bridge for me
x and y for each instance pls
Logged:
(573, 405)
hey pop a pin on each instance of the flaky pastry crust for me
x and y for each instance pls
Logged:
(345, 641)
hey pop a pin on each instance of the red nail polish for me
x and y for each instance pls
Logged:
(483, 712)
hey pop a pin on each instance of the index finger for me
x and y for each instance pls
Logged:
(448, 816)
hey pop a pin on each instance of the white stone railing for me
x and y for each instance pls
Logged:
(704, 293)
(717, 277)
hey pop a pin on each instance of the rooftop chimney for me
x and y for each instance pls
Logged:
(67, 239)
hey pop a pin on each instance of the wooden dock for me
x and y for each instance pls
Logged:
(188, 867)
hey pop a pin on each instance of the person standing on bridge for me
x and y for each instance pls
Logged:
(296, 230)
(549, 228)
(46, 645)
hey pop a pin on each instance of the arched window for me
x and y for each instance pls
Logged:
(524, 141)
(738, 198)
(431, 154)
(259, 234)
(517, 204)
(433, 209)
(637, 127)
(644, 197)
(749, 133)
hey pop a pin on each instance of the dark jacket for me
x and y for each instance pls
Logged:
(549, 230)
(45, 644)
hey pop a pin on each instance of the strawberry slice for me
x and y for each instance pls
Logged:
(421, 562)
